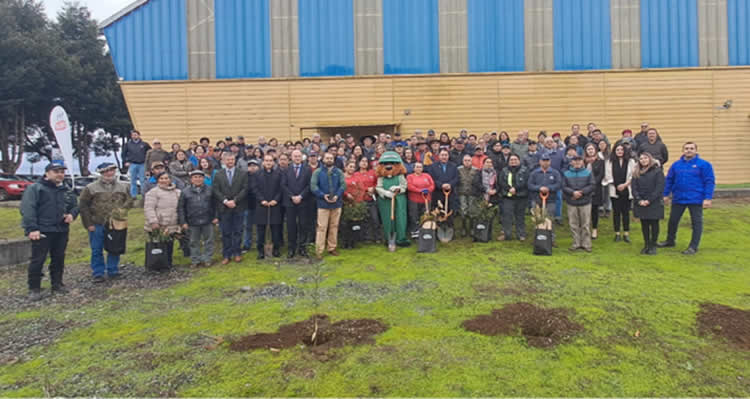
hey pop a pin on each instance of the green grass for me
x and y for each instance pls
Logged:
(152, 346)
(739, 185)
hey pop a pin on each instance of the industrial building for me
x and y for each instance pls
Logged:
(287, 68)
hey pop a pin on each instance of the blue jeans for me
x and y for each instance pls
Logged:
(231, 223)
(249, 223)
(96, 240)
(558, 205)
(696, 219)
(137, 171)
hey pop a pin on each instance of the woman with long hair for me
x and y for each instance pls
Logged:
(596, 166)
(445, 140)
(618, 173)
(504, 138)
(181, 167)
(208, 169)
(648, 188)
(409, 160)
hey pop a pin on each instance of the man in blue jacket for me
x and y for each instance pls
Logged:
(328, 184)
(47, 209)
(691, 183)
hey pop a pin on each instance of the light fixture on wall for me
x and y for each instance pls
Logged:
(727, 104)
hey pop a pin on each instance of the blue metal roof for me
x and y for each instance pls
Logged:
(669, 33)
(243, 40)
(326, 37)
(410, 37)
(496, 35)
(150, 42)
(582, 35)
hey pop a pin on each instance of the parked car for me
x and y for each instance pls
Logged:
(12, 187)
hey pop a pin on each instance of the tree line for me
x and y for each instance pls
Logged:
(65, 62)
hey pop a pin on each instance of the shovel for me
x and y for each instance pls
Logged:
(268, 247)
(547, 225)
(445, 232)
(392, 233)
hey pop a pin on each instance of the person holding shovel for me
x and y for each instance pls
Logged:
(420, 187)
(328, 185)
(197, 215)
(391, 191)
(445, 175)
(546, 181)
(97, 203)
(268, 193)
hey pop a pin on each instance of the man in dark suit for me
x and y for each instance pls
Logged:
(230, 190)
(267, 189)
(297, 199)
(445, 175)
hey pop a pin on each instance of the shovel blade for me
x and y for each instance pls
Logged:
(445, 234)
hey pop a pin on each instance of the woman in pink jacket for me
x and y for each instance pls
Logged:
(419, 186)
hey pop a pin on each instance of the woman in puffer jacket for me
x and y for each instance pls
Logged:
(160, 209)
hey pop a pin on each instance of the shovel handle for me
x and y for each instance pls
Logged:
(544, 197)
(393, 205)
(447, 193)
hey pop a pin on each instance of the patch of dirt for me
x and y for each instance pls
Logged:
(541, 327)
(729, 323)
(327, 335)
(83, 290)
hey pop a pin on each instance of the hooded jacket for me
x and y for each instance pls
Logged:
(690, 181)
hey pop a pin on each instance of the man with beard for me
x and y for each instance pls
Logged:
(328, 184)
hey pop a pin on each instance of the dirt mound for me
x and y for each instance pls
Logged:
(541, 327)
(328, 335)
(727, 322)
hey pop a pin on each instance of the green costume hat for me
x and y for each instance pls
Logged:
(390, 157)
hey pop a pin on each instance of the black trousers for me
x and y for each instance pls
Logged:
(594, 216)
(53, 244)
(276, 233)
(415, 211)
(514, 210)
(650, 229)
(621, 212)
(298, 225)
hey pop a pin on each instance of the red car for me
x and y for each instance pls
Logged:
(12, 187)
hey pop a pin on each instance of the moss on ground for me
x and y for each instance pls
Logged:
(161, 343)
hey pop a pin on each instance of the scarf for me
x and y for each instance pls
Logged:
(488, 181)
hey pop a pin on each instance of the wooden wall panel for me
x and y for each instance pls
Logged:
(550, 102)
(683, 104)
(447, 104)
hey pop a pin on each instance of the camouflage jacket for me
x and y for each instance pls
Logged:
(99, 199)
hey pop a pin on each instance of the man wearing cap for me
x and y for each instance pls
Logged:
(241, 143)
(156, 154)
(134, 159)
(97, 203)
(156, 169)
(197, 215)
(229, 188)
(47, 209)
(578, 189)
(545, 180)
(458, 152)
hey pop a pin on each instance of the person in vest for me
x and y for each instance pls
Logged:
(469, 191)
(392, 183)
(514, 192)
(691, 182)
(97, 203)
(47, 209)
(328, 184)
(578, 188)
(197, 215)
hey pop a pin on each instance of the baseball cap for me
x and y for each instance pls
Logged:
(55, 165)
(105, 166)
(545, 157)
(197, 172)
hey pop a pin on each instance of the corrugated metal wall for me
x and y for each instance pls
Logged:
(453, 36)
(738, 16)
(669, 33)
(201, 39)
(496, 35)
(368, 37)
(284, 38)
(410, 37)
(242, 39)
(184, 111)
(326, 37)
(713, 49)
(626, 33)
(584, 45)
(538, 45)
(150, 43)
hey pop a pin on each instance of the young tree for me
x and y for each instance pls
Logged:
(106, 144)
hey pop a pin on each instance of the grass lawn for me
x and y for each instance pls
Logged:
(638, 313)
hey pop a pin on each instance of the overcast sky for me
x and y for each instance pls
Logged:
(100, 9)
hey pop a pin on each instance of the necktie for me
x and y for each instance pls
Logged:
(229, 175)
(443, 168)
(296, 171)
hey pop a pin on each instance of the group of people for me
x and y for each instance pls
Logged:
(394, 179)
